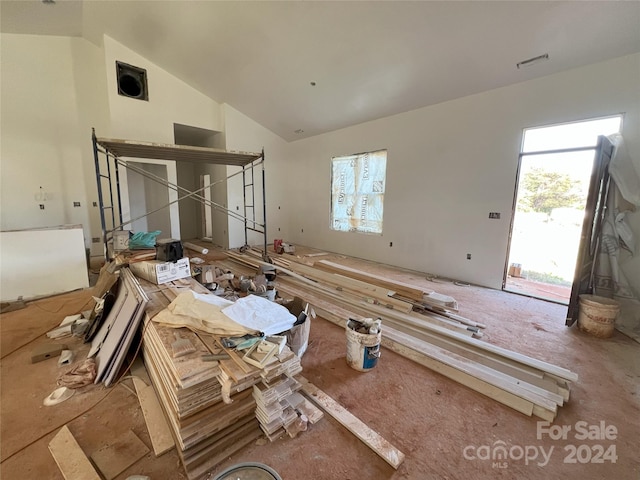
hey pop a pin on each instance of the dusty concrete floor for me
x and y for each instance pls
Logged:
(433, 420)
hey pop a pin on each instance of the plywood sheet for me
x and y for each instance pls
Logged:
(71, 460)
(115, 458)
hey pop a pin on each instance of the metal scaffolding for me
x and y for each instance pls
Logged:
(109, 156)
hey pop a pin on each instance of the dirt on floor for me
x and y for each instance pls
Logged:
(446, 430)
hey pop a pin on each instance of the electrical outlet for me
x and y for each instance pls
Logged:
(391, 244)
(76, 204)
(494, 215)
(468, 256)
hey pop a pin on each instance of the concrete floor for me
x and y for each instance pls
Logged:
(442, 427)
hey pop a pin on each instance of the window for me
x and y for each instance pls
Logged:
(569, 135)
(357, 192)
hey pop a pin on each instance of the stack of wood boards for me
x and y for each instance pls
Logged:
(115, 336)
(528, 385)
(205, 428)
(208, 404)
(276, 403)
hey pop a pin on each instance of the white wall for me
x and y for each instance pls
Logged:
(448, 166)
(41, 132)
(244, 134)
(170, 101)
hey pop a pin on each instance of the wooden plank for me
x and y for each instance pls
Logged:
(372, 439)
(395, 344)
(497, 394)
(362, 289)
(410, 291)
(244, 366)
(71, 460)
(366, 309)
(115, 458)
(536, 395)
(313, 414)
(532, 382)
(161, 439)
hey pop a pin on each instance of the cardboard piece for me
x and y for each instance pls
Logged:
(158, 272)
(298, 335)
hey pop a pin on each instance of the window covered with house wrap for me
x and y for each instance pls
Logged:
(357, 192)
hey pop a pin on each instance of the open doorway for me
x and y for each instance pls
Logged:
(555, 167)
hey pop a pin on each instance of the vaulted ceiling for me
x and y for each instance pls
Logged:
(366, 59)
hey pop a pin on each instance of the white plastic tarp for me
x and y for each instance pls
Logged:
(200, 313)
(258, 313)
(357, 192)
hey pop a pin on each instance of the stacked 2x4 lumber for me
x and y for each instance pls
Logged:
(401, 290)
(528, 385)
(355, 301)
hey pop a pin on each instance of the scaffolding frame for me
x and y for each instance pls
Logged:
(115, 151)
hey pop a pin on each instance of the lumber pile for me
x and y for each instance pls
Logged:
(209, 404)
(205, 428)
(276, 404)
(440, 342)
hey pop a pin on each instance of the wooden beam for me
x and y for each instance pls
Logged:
(410, 291)
(71, 460)
(395, 341)
(363, 289)
(372, 439)
(161, 439)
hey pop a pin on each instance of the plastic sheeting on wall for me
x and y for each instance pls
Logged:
(357, 192)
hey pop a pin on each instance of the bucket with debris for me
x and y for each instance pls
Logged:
(363, 343)
(597, 315)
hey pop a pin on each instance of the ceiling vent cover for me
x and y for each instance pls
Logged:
(132, 81)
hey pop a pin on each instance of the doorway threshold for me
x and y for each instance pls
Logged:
(549, 291)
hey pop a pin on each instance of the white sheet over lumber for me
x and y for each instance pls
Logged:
(372, 439)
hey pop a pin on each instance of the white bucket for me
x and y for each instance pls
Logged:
(597, 315)
(363, 350)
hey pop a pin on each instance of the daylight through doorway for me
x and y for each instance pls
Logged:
(553, 181)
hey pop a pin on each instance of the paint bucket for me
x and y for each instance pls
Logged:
(249, 471)
(597, 315)
(363, 349)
